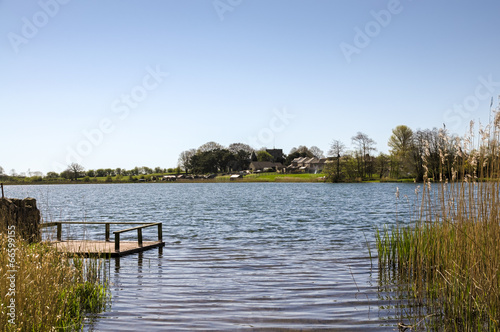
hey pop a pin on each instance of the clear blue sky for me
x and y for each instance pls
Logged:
(148, 79)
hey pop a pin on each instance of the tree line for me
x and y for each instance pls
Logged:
(413, 154)
(75, 171)
(213, 157)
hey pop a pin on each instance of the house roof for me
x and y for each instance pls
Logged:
(299, 159)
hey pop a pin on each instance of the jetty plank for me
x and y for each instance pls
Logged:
(88, 248)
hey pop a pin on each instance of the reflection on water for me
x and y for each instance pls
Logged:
(264, 257)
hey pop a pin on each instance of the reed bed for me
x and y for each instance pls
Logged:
(43, 290)
(448, 261)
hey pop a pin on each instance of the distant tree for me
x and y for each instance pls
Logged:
(302, 150)
(36, 178)
(100, 173)
(317, 152)
(1, 170)
(242, 160)
(146, 170)
(350, 164)
(13, 172)
(66, 174)
(118, 171)
(224, 159)
(337, 148)
(236, 147)
(365, 145)
(91, 173)
(75, 170)
(209, 146)
(158, 170)
(400, 143)
(52, 175)
(184, 160)
(383, 162)
(263, 155)
(204, 162)
(336, 151)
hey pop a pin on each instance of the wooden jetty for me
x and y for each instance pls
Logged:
(106, 248)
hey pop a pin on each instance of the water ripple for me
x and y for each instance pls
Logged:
(260, 257)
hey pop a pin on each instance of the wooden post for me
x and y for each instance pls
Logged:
(139, 236)
(160, 233)
(59, 231)
(107, 232)
(1, 184)
(117, 241)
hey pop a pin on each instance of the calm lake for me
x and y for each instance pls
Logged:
(240, 256)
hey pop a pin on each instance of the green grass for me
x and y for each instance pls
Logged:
(277, 177)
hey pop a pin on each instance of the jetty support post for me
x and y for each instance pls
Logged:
(107, 232)
(139, 236)
(117, 241)
(59, 232)
(160, 234)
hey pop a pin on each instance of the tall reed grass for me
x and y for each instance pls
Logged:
(50, 291)
(448, 261)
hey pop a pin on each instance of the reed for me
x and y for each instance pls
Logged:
(43, 290)
(448, 261)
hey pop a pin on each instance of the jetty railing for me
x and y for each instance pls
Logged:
(59, 224)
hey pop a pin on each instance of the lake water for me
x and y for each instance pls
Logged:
(240, 256)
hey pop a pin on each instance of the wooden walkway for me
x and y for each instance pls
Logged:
(106, 248)
(103, 248)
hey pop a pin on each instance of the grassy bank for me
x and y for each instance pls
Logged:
(42, 290)
(276, 177)
(448, 262)
(255, 177)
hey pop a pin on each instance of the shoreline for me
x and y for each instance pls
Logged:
(278, 180)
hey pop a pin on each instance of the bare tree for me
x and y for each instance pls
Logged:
(336, 150)
(365, 145)
(210, 146)
(185, 159)
(317, 152)
(75, 169)
(236, 147)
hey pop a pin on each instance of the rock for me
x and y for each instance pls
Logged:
(24, 215)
